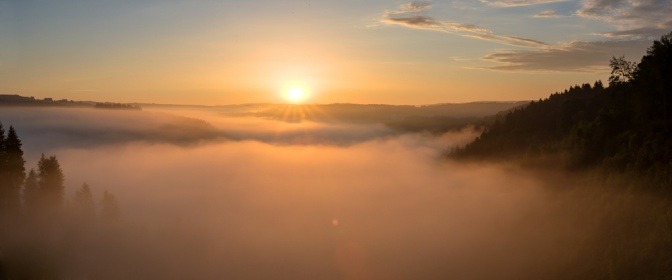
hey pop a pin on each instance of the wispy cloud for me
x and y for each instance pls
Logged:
(572, 57)
(632, 18)
(547, 14)
(407, 15)
(517, 3)
(637, 21)
(414, 7)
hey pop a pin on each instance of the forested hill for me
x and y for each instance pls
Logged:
(12, 100)
(625, 127)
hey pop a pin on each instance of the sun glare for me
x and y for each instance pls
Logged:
(296, 95)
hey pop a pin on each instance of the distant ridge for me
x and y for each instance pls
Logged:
(18, 100)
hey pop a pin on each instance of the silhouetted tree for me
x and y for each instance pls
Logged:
(3, 167)
(598, 85)
(50, 180)
(654, 74)
(31, 192)
(622, 70)
(13, 172)
(83, 203)
(2, 145)
(42, 244)
(109, 207)
(622, 128)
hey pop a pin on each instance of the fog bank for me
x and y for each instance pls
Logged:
(385, 209)
(206, 196)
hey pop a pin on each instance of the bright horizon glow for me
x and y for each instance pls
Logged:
(295, 93)
(233, 52)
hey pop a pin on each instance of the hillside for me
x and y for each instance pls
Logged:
(436, 118)
(622, 128)
(13, 100)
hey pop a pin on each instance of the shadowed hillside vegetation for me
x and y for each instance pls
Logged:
(614, 143)
(623, 128)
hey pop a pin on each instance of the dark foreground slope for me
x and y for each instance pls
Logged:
(608, 149)
(623, 128)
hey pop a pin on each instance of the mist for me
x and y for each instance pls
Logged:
(207, 196)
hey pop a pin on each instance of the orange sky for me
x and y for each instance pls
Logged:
(200, 52)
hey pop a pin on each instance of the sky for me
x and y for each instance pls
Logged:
(364, 51)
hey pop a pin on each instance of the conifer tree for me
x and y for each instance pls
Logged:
(109, 207)
(4, 186)
(14, 170)
(83, 203)
(50, 181)
(31, 192)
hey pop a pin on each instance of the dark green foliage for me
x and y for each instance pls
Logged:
(624, 128)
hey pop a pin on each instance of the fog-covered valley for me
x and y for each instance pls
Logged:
(209, 195)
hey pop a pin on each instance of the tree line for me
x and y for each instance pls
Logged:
(38, 227)
(41, 191)
(623, 128)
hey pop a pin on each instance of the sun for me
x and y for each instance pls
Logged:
(296, 95)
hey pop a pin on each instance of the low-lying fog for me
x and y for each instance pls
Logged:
(245, 198)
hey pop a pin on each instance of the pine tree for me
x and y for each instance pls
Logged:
(83, 203)
(31, 192)
(4, 184)
(110, 208)
(14, 169)
(2, 145)
(50, 181)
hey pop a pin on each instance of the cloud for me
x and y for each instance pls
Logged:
(414, 7)
(547, 14)
(633, 19)
(575, 56)
(417, 21)
(517, 3)
(644, 32)
(637, 22)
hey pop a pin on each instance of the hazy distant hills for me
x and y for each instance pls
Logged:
(433, 118)
(17, 100)
(382, 112)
